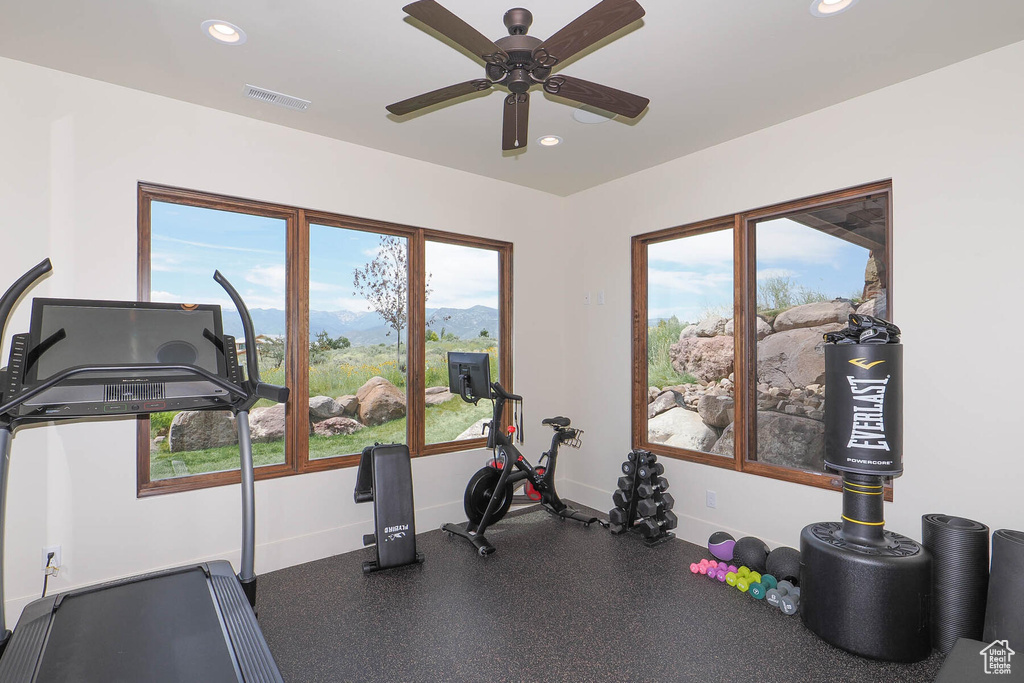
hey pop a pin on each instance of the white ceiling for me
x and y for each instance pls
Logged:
(713, 69)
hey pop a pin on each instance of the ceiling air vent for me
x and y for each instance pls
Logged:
(280, 99)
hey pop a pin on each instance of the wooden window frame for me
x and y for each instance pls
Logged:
(743, 225)
(298, 221)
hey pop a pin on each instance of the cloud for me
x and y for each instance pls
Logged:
(786, 241)
(708, 249)
(461, 277)
(768, 273)
(206, 245)
(687, 281)
(267, 276)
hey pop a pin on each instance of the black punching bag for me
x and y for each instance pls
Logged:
(865, 589)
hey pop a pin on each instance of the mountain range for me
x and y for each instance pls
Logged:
(363, 328)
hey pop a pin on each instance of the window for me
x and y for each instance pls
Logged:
(728, 322)
(376, 305)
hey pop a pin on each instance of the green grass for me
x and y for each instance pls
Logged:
(444, 422)
(660, 372)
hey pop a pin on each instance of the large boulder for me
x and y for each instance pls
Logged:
(874, 275)
(333, 426)
(667, 400)
(786, 440)
(813, 315)
(437, 395)
(688, 331)
(322, 408)
(267, 424)
(875, 306)
(380, 401)
(709, 359)
(196, 430)
(681, 428)
(475, 430)
(712, 326)
(349, 405)
(794, 358)
(763, 328)
(716, 411)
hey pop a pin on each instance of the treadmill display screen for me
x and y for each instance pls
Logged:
(66, 333)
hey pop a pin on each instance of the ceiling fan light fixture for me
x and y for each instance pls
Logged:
(590, 115)
(829, 8)
(223, 32)
(549, 140)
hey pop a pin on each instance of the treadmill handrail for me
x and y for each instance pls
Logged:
(60, 377)
(15, 291)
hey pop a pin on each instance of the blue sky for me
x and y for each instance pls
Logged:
(692, 276)
(189, 243)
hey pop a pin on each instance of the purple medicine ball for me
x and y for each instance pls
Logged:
(721, 544)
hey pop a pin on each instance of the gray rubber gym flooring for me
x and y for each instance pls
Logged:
(556, 602)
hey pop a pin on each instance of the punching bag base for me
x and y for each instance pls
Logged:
(871, 601)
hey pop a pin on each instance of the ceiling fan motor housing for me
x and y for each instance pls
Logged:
(517, 21)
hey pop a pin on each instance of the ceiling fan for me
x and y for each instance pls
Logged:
(518, 62)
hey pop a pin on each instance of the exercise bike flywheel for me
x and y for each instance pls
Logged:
(479, 492)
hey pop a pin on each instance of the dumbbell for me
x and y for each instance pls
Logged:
(633, 455)
(646, 471)
(724, 570)
(661, 483)
(617, 516)
(648, 507)
(734, 575)
(706, 565)
(626, 483)
(744, 583)
(759, 589)
(620, 498)
(651, 526)
(785, 596)
(647, 489)
(628, 468)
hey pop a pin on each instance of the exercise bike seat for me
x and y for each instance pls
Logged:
(556, 421)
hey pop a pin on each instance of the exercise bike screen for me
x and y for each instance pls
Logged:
(68, 333)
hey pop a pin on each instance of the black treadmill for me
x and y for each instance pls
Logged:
(91, 359)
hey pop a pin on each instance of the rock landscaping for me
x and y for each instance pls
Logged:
(377, 401)
(790, 385)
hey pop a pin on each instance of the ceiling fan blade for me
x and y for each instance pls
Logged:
(437, 96)
(515, 122)
(597, 23)
(596, 95)
(444, 22)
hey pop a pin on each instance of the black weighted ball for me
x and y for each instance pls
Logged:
(784, 564)
(751, 552)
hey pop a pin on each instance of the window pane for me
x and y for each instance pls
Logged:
(462, 315)
(690, 343)
(358, 317)
(188, 244)
(814, 268)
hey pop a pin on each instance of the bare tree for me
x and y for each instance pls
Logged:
(384, 283)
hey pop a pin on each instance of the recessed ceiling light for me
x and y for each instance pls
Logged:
(828, 8)
(587, 114)
(223, 32)
(549, 140)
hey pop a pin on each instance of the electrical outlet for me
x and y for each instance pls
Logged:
(586, 298)
(55, 563)
(712, 499)
(600, 298)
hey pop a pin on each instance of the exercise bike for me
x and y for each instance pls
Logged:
(490, 491)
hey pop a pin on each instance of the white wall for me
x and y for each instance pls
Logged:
(953, 143)
(73, 151)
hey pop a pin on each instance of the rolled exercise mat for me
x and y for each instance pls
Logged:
(1004, 617)
(959, 549)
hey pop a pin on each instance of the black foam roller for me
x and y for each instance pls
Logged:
(750, 552)
(959, 549)
(1004, 618)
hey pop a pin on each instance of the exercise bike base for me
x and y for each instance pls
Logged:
(569, 513)
(483, 546)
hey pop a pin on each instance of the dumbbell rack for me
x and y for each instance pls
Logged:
(642, 481)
